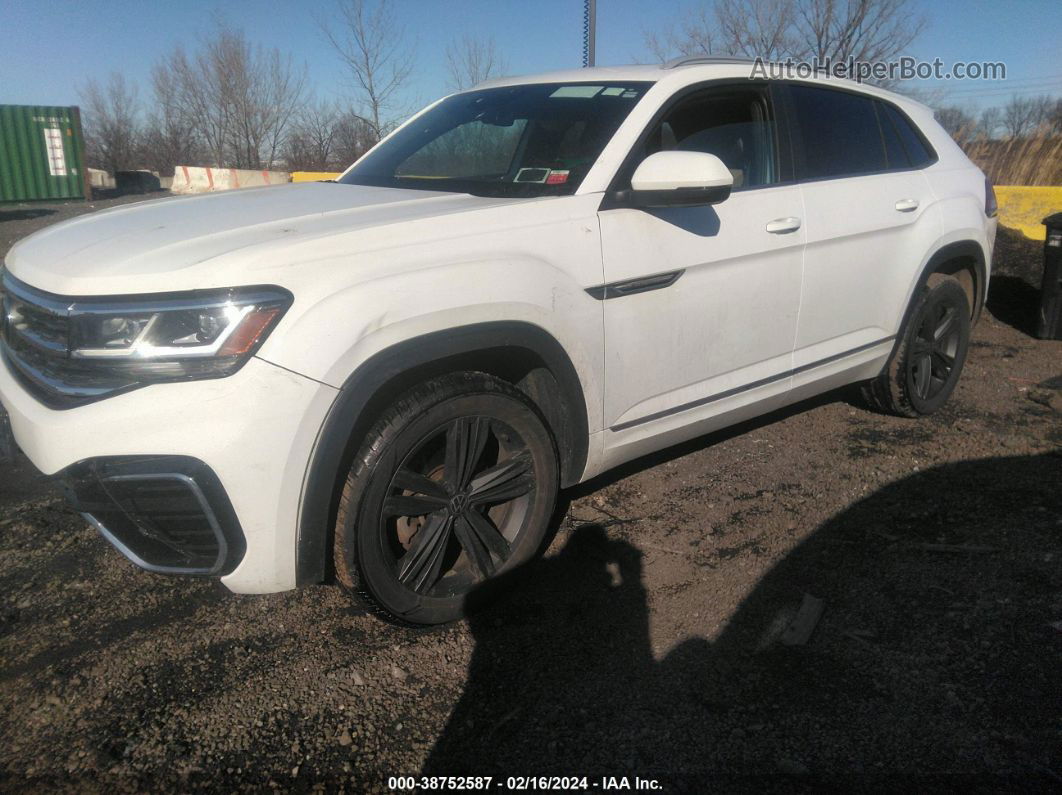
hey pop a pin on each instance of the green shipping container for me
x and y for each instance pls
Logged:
(42, 154)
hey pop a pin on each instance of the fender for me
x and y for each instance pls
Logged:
(961, 249)
(348, 420)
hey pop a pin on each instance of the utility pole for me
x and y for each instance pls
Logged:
(589, 31)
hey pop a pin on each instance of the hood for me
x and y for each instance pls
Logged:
(187, 242)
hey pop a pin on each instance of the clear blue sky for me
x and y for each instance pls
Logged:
(50, 47)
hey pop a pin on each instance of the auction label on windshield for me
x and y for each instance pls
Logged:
(522, 783)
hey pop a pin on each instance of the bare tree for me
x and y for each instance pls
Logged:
(261, 91)
(353, 138)
(1022, 116)
(242, 99)
(112, 130)
(196, 95)
(864, 30)
(369, 40)
(990, 122)
(171, 135)
(762, 29)
(695, 35)
(311, 144)
(960, 123)
(470, 60)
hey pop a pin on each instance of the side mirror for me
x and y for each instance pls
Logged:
(679, 179)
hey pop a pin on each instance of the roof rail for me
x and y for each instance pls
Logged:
(692, 60)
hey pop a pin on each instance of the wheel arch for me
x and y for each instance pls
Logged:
(961, 256)
(522, 353)
(964, 259)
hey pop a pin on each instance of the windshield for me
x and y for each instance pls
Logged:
(529, 140)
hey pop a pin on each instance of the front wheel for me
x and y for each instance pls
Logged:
(453, 486)
(926, 364)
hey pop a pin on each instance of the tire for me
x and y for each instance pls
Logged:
(454, 485)
(925, 366)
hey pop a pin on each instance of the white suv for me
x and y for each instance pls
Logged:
(387, 378)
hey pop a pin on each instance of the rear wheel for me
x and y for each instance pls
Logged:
(453, 486)
(926, 365)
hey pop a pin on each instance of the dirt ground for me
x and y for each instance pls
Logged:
(646, 643)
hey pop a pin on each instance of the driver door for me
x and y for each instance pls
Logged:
(700, 303)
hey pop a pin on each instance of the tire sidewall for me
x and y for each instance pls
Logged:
(388, 447)
(946, 290)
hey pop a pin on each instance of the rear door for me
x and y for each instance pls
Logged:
(868, 213)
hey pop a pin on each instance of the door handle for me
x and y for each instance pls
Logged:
(907, 205)
(779, 226)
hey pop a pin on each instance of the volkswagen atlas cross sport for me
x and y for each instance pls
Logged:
(385, 379)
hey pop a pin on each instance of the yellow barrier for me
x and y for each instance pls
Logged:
(313, 176)
(1023, 207)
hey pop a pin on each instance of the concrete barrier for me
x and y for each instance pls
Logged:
(100, 179)
(1023, 207)
(199, 179)
(313, 176)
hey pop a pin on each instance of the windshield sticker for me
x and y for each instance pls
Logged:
(532, 175)
(557, 178)
(576, 92)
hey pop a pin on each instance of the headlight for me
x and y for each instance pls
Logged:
(207, 334)
(69, 351)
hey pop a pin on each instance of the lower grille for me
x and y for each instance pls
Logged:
(168, 514)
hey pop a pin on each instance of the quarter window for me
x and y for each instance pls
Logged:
(917, 151)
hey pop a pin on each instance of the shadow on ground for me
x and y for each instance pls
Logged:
(1014, 301)
(1017, 271)
(24, 214)
(935, 656)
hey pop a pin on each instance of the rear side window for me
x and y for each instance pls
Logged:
(839, 132)
(918, 152)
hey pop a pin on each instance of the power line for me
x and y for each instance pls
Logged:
(996, 86)
(1047, 91)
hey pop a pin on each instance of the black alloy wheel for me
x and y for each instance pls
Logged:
(454, 485)
(931, 359)
(453, 503)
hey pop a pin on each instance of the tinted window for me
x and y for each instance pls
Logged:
(839, 131)
(919, 154)
(538, 139)
(733, 125)
(894, 149)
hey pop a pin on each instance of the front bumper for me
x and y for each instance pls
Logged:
(254, 431)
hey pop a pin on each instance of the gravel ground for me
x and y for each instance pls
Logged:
(646, 642)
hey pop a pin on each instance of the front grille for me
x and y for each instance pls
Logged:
(37, 326)
(35, 321)
(35, 342)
